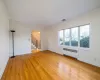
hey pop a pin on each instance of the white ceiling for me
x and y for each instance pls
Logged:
(48, 12)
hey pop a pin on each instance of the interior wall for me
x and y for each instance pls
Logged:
(4, 37)
(23, 37)
(91, 55)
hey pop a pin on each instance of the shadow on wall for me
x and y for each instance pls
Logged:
(35, 40)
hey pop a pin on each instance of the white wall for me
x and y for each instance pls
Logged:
(23, 37)
(91, 55)
(4, 38)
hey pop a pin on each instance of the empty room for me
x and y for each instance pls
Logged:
(49, 39)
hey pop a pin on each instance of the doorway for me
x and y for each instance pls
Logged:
(35, 41)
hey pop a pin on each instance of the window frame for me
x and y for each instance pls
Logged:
(85, 48)
(59, 37)
(69, 37)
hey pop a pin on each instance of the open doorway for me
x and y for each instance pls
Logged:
(35, 41)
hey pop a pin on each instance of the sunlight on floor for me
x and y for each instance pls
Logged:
(36, 50)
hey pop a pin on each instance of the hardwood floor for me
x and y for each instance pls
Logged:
(35, 51)
(47, 65)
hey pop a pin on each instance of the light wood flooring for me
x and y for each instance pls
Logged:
(47, 65)
(36, 50)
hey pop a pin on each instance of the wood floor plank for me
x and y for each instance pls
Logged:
(47, 65)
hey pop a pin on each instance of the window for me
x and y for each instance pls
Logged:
(74, 36)
(84, 36)
(67, 37)
(61, 36)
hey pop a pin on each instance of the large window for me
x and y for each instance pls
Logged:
(67, 37)
(77, 36)
(84, 36)
(61, 37)
(74, 36)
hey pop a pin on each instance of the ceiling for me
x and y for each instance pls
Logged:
(48, 12)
